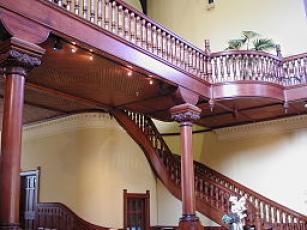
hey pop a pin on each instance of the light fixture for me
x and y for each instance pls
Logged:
(91, 50)
(151, 82)
(91, 57)
(74, 50)
(129, 66)
(57, 45)
(74, 43)
(129, 73)
(305, 105)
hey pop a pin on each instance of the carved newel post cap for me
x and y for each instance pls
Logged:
(185, 112)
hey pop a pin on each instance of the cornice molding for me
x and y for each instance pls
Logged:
(263, 128)
(69, 124)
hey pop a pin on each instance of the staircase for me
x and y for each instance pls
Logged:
(57, 216)
(212, 189)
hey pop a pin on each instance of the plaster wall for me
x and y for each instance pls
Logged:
(86, 161)
(284, 21)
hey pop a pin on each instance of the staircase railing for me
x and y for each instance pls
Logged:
(207, 191)
(58, 216)
(124, 21)
(270, 211)
(214, 188)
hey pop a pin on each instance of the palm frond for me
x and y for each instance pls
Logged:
(235, 44)
(249, 34)
(264, 44)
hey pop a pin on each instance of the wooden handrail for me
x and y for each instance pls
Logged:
(60, 217)
(250, 194)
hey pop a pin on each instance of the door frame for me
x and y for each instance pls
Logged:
(146, 197)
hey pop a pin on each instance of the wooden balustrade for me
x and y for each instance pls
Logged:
(270, 212)
(58, 216)
(126, 22)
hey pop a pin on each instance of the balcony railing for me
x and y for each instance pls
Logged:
(128, 23)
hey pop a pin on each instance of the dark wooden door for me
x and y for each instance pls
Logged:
(136, 211)
(28, 199)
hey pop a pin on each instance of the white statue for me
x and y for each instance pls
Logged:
(238, 208)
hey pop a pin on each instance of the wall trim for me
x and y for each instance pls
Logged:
(261, 128)
(70, 123)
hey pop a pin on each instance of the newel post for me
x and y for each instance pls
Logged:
(17, 58)
(185, 114)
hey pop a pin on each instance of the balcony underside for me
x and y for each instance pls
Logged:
(69, 82)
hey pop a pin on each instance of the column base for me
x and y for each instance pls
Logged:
(190, 222)
(10, 227)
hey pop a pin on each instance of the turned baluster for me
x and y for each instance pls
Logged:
(144, 34)
(216, 70)
(138, 31)
(149, 36)
(221, 66)
(300, 70)
(99, 12)
(164, 45)
(305, 69)
(228, 65)
(85, 9)
(177, 52)
(169, 47)
(77, 7)
(189, 58)
(201, 65)
(173, 50)
(193, 62)
(132, 28)
(126, 24)
(114, 17)
(159, 42)
(234, 65)
(154, 40)
(185, 57)
(69, 5)
(92, 11)
(181, 55)
(107, 14)
(120, 21)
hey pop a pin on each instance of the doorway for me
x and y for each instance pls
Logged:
(136, 211)
(29, 184)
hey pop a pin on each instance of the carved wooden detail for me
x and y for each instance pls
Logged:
(185, 112)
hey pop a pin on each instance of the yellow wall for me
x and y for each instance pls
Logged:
(282, 20)
(86, 161)
(135, 3)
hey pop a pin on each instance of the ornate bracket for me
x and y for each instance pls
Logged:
(185, 113)
(16, 53)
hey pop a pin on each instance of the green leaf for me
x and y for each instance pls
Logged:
(250, 34)
(264, 44)
(235, 44)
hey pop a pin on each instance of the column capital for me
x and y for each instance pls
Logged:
(19, 56)
(185, 112)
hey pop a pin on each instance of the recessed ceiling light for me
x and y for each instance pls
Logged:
(73, 50)
(91, 57)
(151, 82)
(129, 73)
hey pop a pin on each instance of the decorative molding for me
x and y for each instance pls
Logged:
(69, 124)
(185, 112)
(263, 128)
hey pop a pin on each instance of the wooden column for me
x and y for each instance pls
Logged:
(185, 114)
(17, 57)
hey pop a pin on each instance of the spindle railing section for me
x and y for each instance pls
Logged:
(271, 212)
(214, 188)
(58, 216)
(126, 22)
(206, 189)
